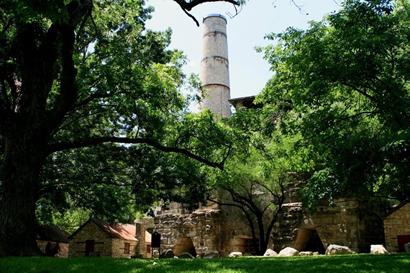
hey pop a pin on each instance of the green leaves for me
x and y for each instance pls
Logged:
(129, 86)
(344, 84)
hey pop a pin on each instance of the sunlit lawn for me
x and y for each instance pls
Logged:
(335, 264)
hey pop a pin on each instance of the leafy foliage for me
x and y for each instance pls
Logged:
(79, 74)
(343, 86)
(128, 87)
(258, 174)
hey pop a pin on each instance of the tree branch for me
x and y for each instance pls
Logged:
(192, 17)
(236, 197)
(225, 204)
(186, 6)
(68, 91)
(90, 142)
(49, 188)
(189, 5)
(357, 89)
(279, 204)
(90, 98)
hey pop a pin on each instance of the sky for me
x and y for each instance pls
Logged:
(249, 72)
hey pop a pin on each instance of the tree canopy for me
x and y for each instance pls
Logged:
(343, 84)
(78, 74)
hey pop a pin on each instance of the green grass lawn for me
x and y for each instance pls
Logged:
(335, 264)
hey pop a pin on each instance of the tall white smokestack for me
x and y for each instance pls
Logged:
(215, 67)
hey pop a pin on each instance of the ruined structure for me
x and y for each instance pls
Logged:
(197, 232)
(348, 222)
(207, 230)
(213, 229)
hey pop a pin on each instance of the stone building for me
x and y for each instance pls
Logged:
(52, 241)
(97, 238)
(397, 227)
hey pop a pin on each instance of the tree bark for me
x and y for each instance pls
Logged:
(24, 141)
(262, 242)
(22, 163)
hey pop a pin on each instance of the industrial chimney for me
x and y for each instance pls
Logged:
(215, 67)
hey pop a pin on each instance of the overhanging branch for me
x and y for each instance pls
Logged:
(90, 142)
(189, 5)
(186, 6)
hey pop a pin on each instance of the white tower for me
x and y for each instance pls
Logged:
(215, 67)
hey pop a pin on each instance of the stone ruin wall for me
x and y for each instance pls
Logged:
(224, 229)
(238, 236)
(349, 222)
(285, 229)
(211, 229)
(202, 227)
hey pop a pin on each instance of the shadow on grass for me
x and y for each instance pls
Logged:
(335, 264)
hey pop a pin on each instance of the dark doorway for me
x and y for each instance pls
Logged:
(402, 240)
(156, 240)
(89, 247)
(308, 240)
(51, 249)
(184, 244)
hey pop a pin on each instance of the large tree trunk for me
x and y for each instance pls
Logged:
(255, 245)
(263, 244)
(24, 156)
(25, 139)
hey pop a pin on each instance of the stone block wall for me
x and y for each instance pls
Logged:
(285, 229)
(141, 248)
(236, 233)
(118, 248)
(202, 226)
(349, 222)
(397, 224)
(339, 224)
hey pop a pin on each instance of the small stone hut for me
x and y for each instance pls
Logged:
(98, 238)
(397, 227)
(52, 241)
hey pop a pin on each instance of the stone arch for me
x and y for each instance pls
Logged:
(184, 244)
(307, 239)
